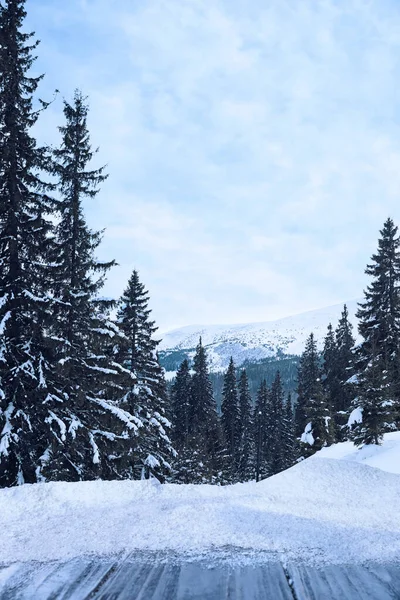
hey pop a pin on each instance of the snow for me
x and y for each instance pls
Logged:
(307, 437)
(355, 417)
(385, 457)
(340, 506)
(7, 430)
(3, 322)
(63, 429)
(256, 341)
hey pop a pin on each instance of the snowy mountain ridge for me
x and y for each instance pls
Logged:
(253, 342)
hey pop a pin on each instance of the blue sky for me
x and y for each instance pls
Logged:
(253, 147)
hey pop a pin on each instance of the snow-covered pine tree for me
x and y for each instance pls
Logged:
(246, 441)
(26, 365)
(88, 430)
(261, 430)
(205, 432)
(330, 376)
(288, 435)
(230, 418)
(378, 355)
(317, 427)
(275, 449)
(180, 404)
(345, 371)
(308, 372)
(144, 389)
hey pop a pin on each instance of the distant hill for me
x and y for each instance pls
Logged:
(250, 343)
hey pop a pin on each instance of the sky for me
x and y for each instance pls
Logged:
(253, 148)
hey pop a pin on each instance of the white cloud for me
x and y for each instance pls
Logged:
(253, 153)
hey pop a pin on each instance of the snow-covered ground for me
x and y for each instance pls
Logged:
(340, 507)
(385, 457)
(255, 341)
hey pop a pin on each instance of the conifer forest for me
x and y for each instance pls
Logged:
(82, 393)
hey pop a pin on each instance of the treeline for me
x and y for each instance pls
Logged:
(245, 441)
(352, 391)
(346, 392)
(82, 393)
(256, 372)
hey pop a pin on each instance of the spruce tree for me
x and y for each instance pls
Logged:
(317, 430)
(377, 357)
(307, 374)
(230, 417)
(144, 387)
(345, 371)
(275, 440)
(204, 425)
(92, 427)
(26, 304)
(330, 376)
(246, 443)
(180, 405)
(261, 429)
(288, 435)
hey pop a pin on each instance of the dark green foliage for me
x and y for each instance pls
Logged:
(171, 360)
(230, 417)
(201, 458)
(263, 369)
(87, 429)
(202, 408)
(275, 432)
(180, 406)
(288, 435)
(26, 370)
(332, 385)
(313, 420)
(309, 373)
(377, 357)
(245, 469)
(376, 409)
(345, 372)
(261, 423)
(144, 386)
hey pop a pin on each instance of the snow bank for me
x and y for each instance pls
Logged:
(320, 511)
(385, 456)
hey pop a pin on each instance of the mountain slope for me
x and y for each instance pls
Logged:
(251, 342)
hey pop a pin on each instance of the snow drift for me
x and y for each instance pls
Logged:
(323, 510)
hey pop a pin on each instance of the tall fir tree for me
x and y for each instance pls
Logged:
(26, 304)
(307, 374)
(288, 435)
(230, 417)
(275, 432)
(144, 389)
(261, 429)
(180, 406)
(330, 376)
(345, 371)
(87, 428)
(378, 356)
(204, 424)
(316, 424)
(246, 443)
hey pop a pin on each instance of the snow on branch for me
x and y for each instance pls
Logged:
(7, 430)
(130, 421)
(4, 321)
(53, 417)
(96, 454)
